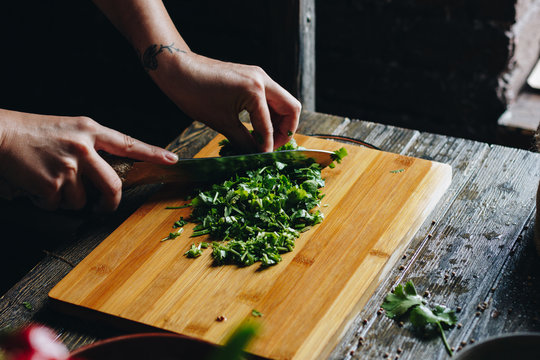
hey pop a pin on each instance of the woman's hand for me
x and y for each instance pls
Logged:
(215, 92)
(51, 158)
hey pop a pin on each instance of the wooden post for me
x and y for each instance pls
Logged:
(306, 54)
(293, 43)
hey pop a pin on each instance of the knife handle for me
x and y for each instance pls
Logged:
(121, 165)
(133, 173)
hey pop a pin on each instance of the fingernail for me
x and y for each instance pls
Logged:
(172, 157)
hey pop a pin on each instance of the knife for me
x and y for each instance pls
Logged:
(199, 170)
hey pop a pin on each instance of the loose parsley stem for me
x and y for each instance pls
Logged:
(200, 233)
(173, 235)
(448, 348)
(177, 207)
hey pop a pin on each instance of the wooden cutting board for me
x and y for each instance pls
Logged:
(375, 202)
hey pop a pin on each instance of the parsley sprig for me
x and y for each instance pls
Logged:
(406, 301)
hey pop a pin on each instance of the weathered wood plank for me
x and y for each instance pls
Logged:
(387, 138)
(476, 233)
(464, 156)
(306, 54)
(512, 304)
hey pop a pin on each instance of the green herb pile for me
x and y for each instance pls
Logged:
(257, 216)
(406, 301)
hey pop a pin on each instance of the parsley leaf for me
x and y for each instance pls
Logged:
(398, 303)
(405, 300)
(422, 315)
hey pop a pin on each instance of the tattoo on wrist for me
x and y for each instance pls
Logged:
(149, 57)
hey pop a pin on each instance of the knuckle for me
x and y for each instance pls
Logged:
(111, 195)
(52, 187)
(256, 87)
(257, 70)
(155, 151)
(255, 79)
(84, 123)
(67, 169)
(297, 107)
(80, 149)
(128, 141)
(114, 186)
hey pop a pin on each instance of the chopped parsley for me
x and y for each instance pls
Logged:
(257, 215)
(337, 156)
(177, 207)
(195, 250)
(397, 171)
(173, 235)
(256, 313)
(180, 223)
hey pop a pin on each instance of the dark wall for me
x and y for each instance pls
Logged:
(442, 66)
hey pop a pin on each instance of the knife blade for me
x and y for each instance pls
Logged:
(200, 170)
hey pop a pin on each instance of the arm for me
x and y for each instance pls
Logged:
(49, 159)
(208, 90)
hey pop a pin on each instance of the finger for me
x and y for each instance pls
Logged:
(116, 143)
(240, 137)
(73, 194)
(105, 180)
(262, 123)
(285, 111)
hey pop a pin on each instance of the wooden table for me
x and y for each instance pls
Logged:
(475, 251)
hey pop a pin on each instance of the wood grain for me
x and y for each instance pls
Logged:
(306, 300)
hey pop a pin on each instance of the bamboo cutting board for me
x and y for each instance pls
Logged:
(375, 200)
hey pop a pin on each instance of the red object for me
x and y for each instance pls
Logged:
(35, 342)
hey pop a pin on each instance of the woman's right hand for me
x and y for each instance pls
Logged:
(51, 158)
